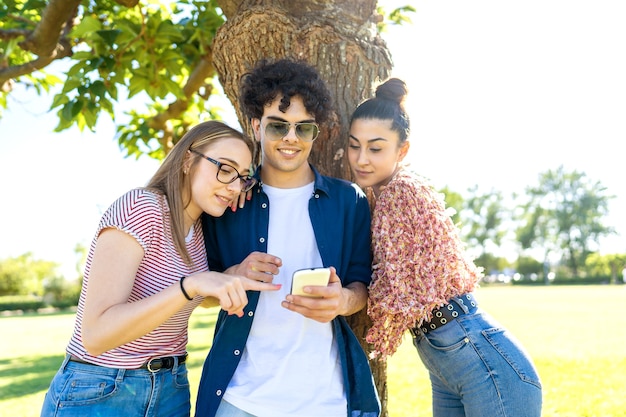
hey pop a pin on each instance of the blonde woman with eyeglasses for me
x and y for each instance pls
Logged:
(146, 271)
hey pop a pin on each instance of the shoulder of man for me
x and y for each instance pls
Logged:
(333, 185)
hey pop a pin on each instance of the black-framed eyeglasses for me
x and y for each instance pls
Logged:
(227, 174)
(305, 131)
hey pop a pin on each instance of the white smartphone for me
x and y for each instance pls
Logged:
(309, 276)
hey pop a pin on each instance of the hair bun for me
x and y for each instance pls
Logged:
(394, 89)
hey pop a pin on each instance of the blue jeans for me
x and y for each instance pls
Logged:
(477, 368)
(226, 409)
(80, 389)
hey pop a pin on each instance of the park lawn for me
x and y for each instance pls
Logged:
(576, 335)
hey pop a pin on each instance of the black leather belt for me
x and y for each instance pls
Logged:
(153, 365)
(446, 313)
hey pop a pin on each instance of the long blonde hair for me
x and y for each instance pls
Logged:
(171, 181)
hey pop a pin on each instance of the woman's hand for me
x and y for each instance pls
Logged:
(229, 290)
(240, 201)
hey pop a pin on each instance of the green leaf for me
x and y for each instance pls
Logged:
(137, 85)
(91, 116)
(107, 106)
(77, 107)
(59, 99)
(80, 122)
(67, 113)
(109, 36)
(112, 90)
(87, 25)
(82, 55)
(96, 62)
(97, 88)
(168, 33)
(172, 88)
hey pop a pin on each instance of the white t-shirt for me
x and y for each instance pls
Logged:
(290, 366)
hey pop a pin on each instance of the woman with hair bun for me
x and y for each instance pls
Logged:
(423, 281)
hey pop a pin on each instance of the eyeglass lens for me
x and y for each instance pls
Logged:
(307, 132)
(227, 174)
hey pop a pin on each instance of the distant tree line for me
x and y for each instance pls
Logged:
(554, 228)
(27, 283)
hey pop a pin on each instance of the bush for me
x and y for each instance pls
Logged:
(582, 280)
(21, 302)
(61, 293)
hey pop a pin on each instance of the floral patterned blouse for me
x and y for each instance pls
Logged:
(419, 260)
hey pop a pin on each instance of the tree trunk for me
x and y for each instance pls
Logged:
(339, 39)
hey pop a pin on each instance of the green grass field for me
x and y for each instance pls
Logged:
(576, 335)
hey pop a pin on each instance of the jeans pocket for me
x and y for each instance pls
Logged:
(448, 338)
(86, 388)
(511, 350)
(181, 379)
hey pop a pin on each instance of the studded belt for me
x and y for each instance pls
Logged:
(446, 313)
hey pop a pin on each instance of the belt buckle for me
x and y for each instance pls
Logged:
(158, 364)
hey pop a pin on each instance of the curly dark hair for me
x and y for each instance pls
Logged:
(268, 80)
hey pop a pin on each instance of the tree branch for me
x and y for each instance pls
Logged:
(201, 72)
(63, 50)
(14, 33)
(47, 40)
(57, 15)
(229, 7)
(20, 19)
(127, 3)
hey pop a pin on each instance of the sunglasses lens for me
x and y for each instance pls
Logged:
(307, 131)
(304, 131)
(277, 130)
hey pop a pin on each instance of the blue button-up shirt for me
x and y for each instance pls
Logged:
(340, 218)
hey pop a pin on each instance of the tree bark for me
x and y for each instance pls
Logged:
(338, 38)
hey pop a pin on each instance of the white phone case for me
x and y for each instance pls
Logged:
(309, 276)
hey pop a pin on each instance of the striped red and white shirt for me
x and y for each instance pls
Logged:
(144, 215)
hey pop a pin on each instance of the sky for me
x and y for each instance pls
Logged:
(499, 92)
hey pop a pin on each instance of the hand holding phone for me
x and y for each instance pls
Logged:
(310, 276)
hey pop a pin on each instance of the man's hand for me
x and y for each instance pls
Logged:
(330, 301)
(258, 266)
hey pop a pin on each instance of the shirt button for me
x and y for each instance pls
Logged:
(317, 195)
(262, 240)
(250, 313)
(218, 392)
(264, 205)
(237, 352)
